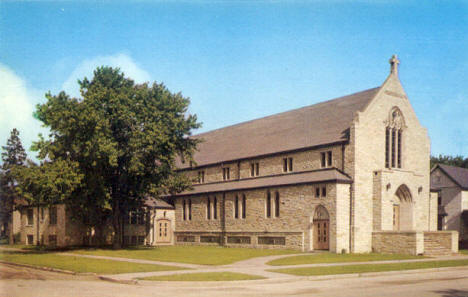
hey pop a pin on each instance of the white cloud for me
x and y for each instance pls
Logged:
(17, 107)
(86, 68)
(18, 101)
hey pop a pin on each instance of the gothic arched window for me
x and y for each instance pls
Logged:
(394, 138)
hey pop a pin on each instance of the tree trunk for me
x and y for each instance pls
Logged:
(11, 236)
(116, 222)
(38, 240)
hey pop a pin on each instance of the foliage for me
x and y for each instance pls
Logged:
(124, 139)
(80, 264)
(206, 255)
(13, 153)
(363, 268)
(13, 157)
(458, 161)
(338, 258)
(204, 276)
(48, 183)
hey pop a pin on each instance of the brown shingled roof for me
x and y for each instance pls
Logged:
(157, 203)
(458, 174)
(315, 125)
(316, 176)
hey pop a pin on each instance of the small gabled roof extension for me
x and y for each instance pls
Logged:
(157, 203)
(319, 124)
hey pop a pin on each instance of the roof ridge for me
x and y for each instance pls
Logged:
(453, 166)
(287, 111)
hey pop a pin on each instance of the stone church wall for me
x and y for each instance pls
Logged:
(270, 165)
(297, 206)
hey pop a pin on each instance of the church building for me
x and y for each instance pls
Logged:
(346, 175)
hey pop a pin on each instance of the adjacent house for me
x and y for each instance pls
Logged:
(451, 185)
(153, 224)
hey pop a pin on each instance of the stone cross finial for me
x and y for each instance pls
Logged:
(394, 64)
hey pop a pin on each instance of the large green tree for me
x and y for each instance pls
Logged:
(125, 139)
(13, 156)
(458, 161)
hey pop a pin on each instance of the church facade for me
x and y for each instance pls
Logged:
(345, 175)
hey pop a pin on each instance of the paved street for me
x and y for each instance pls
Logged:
(448, 283)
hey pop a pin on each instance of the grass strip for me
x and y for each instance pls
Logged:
(80, 264)
(339, 258)
(207, 255)
(204, 276)
(362, 268)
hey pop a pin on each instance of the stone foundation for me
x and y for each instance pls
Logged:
(415, 242)
(262, 240)
(440, 242)
(397, 242)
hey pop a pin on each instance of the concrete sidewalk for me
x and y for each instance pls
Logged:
(254, 266)
(257, 266)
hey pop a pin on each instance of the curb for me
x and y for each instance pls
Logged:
(113, 280)
(46, 268)
(104, 278)
(381, 273)
(292, 278)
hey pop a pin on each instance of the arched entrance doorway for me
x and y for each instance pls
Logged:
(163, 231)
(403, 209)
(321, 228)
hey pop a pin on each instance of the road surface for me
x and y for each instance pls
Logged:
(24, 282)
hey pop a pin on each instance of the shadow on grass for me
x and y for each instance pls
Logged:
(48, 249)
(452, 293)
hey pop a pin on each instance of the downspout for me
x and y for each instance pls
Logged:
(351, 221)
(351, 187)
(429, 220)
(351, 199)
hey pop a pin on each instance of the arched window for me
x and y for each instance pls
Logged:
(277, 204)
(268, 205)
(215, 208)
(190, 209)
(394, 138)
(236, 207)
(244, 206)
(208, 208)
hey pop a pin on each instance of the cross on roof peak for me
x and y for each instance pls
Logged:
(394, 64)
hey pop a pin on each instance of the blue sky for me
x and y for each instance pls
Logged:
(240, 60)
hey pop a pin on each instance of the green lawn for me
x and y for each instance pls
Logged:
(209, 255)
(338, 258)
(204, 276)
(361, 268)
(79, 264)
